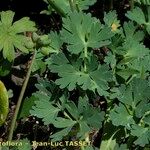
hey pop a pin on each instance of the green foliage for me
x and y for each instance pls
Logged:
(89, 66)
(25, 145)
(96, 79)
(140, 17)
(134, 104)
(81, 31)
(65, 6)
(111, 144)
(27, 106)
(112, 21)
(142, 134)
(4, 103)
(83, 118)
(11, 34)
(5, 66)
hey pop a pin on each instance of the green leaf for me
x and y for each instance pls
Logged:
(89, 118)
(110, 59)
(91, 148)
(142, 108)
(45, 110)
(136, 15)
(126, 73)
(134, 50)
(141, 66)
(11, 36)
(84, 4)
(53, 46)
(131, 32)
(121, 147)
(108, 144)
(26, 107)
(63, 123)
(72, 109)
(5, 67)
(56, 42)
(39, 64)
(120, 116)
(111, 20)
(71, 75)
(7, 18)
(142, 134)
(4, 103)
(85, 121)
(147, 118)
(25, 145)
(134, 93)
(4, 148)
(101, 77)
(59, 135)
(139, 17)
(44, 107)
(23, 25)
(82, 31)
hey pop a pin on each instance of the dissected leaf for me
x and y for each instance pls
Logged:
(89, 117)
(131, 32)
(137, 91)
(45, 110)
(39, 64)
(5, 67)
(27, 106)
(59, 135)
(139, 17)
(108, 144)
(56, 42)
(142, 134)
(82, 31)
(120, 116)
(71, 75)
(111, 59)
(134, 50)
(111, 20)
(11, 36)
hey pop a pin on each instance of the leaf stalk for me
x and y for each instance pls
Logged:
(57, 8)
(12, 126)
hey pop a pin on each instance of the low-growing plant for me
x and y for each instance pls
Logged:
(96, 78)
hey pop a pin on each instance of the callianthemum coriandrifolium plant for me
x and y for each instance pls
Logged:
(122, 76)
(89, 60)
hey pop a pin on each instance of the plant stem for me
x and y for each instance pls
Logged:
(131, 4)
(57, 8)
(71, 5)
(146, 114)
(12, 126)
